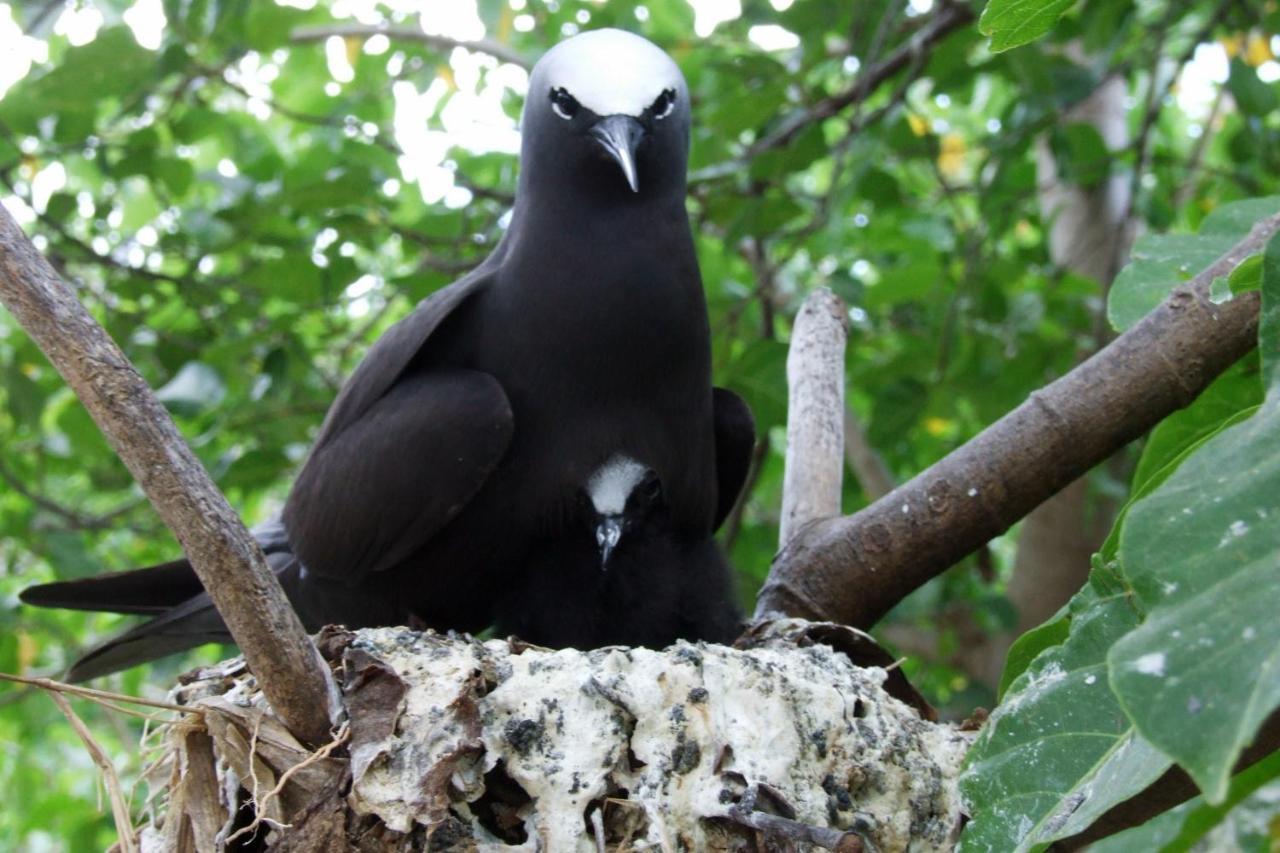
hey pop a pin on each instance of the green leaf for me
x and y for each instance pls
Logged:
(1057, 752)
(111, 66)
(1203, 554)
(1235, 391)
(25, 397)
(1269, 327)
(1027, 647)
(1254, 97)
(1011, 23)
(1081, 154)
(1159, 263)
(1162, 261)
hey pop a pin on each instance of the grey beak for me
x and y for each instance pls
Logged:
(608, 532)
(619, 135)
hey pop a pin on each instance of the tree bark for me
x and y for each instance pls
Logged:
(1171, 789)
(1090, 235)
(815, 414)
(225, 557)
(853, 569)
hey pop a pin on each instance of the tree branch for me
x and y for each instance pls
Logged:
(1157, 93)
(815, 415)
(949, 18)
(855, 568)
(223, 554)
(75, 520)
(1173, 788)
(496, 49)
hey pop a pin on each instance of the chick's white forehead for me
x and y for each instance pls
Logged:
(610, 72)
(613, 482)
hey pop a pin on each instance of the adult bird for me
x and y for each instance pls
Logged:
(463, 442)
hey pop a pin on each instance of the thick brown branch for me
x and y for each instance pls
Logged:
(815, 414)
(1173, 788)
(496, 49)
(855, 568)
(224, 555)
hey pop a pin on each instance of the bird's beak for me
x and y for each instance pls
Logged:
(608, 532)
(619, 135)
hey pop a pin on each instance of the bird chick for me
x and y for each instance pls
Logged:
(621, 574)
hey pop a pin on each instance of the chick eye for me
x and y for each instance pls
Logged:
(664, 104)
(564, 104)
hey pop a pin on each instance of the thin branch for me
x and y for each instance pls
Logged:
(496, 49)
(382, 138)
(226, 558)
(855, 568)
(949, 18)
(98, 695)
(1157, 94)
(90, 254)
(795, 832)
(32, 27)
(815, 415)
(75, 520)
(1188, 185)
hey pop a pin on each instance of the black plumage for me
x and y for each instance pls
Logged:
(451, 466)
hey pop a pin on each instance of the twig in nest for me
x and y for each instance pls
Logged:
(260, 805)
(597, 826)
(119, 807)
(102, 697)
(793, 830)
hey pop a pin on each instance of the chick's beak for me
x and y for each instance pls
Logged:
(608, 532)
(619, 135)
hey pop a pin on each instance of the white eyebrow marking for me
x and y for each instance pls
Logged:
(613, 482)
(610, 72)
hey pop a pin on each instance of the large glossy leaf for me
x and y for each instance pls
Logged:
(1203, 554)
(1059, 751)
(1235, 391)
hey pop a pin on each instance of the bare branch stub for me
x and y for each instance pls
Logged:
(226, 558)
(496, 49)
(815, 414)
(853, 569)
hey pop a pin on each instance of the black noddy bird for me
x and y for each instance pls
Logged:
(619, 576)
(454, 459)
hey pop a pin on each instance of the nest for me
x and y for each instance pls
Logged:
(801, 737)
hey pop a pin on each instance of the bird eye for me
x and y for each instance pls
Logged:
(664, 104)
(651, 488)
(564, 104)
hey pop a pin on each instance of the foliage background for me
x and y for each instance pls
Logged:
(235, 206)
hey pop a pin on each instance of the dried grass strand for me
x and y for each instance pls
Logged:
(119, 806)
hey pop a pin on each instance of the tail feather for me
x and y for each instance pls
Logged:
(148, 592)
(184, 617)
(191, 624)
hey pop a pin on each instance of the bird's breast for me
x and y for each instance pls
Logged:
(614, 361)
